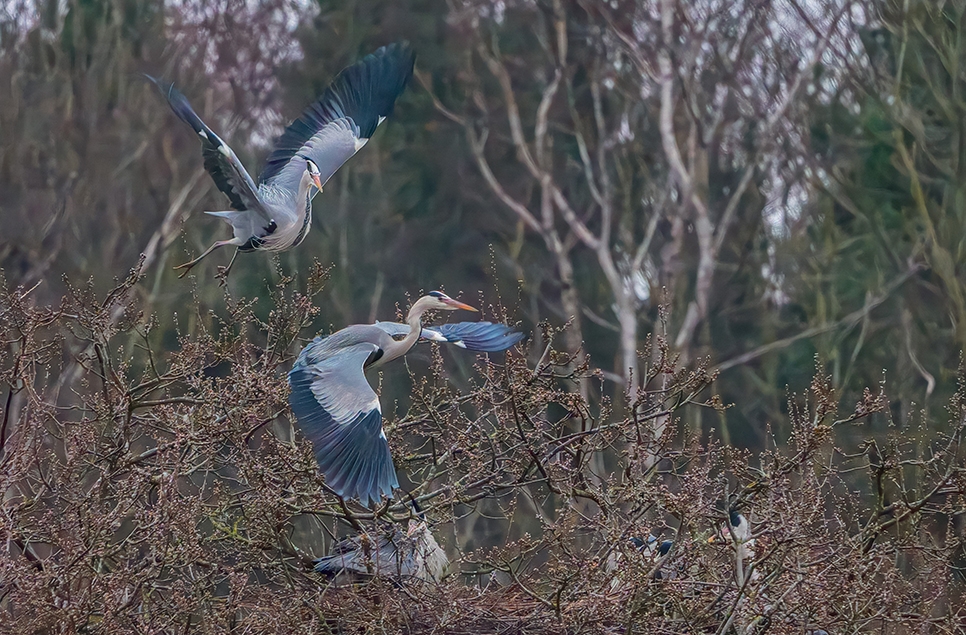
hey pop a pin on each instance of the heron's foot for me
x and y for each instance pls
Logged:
(222, 275)
(188, 265)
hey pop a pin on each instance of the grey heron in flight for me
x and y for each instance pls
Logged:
(339, 412)
(276, 214)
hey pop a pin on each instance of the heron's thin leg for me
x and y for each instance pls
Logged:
(188, 265)
(223, 274)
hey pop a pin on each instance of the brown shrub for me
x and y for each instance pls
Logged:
(149, 492)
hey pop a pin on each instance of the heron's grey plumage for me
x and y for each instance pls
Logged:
(484, 337)
(338, 410)
(390, 553)
(276, 214)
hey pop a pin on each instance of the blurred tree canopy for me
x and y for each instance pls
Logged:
(761, 182)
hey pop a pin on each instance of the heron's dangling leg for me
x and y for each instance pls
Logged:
(188, 265)
(223, 274)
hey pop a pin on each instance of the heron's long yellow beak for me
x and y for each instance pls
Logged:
(459, 305)
(317, 181)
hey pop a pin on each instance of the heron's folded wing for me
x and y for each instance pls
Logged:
(339, 413)
(344, 556)
(225, 169)
(379, 558)
(340, 122)
(485, 337)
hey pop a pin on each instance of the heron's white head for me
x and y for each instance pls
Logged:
(736, 530)
(441, 301)
(313, 171)
(434, 300)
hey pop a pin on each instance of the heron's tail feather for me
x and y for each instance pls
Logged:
(244, 225)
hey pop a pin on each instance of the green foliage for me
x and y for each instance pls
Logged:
(890, 196)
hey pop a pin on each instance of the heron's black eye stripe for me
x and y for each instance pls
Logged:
(436, 294)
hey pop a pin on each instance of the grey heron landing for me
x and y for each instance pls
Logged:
(339, 412)
(276, 214)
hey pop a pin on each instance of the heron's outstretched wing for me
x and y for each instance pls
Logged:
(480, 336)
(485, 337)
(340, 122)
(225, 169)
(339, 413)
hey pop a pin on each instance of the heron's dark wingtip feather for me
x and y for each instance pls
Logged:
(216, 162)
(353, 456)
(179, 104)
(363, 92)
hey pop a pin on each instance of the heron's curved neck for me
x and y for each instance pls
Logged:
(304, 200)
(290, 234)
(401, 347)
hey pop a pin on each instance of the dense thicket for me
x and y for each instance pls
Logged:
(739, 188)
(174, 495)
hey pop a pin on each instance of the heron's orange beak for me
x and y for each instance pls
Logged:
(317, 181)
(459, 305)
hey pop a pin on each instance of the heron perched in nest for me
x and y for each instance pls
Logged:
(652, 552)
(389, 553)
(737, 533)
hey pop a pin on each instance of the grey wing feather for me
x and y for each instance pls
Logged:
(225, 169)
(329, 148)
(339, 413)
(339, 123)
(381, 558)
(485, 337)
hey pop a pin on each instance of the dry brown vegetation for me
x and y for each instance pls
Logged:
(692, 206)
(149, 492)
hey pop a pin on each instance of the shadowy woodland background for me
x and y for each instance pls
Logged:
(721, 221)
